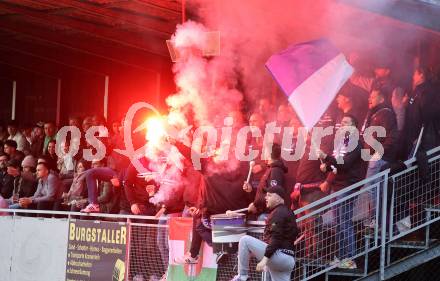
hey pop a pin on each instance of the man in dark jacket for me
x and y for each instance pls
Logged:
(23, 186)
(341, 175)
(349, 170)
(138, 191)
(6, 181)
(274, 175)
(276, 252)
(382, 115)
(306, 191)
(221, 190)
(422, 111)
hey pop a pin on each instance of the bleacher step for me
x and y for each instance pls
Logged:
(405, 264)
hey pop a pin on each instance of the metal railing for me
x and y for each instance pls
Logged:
(407, 202)
(147, 245)
(335, 233)
(414, 198)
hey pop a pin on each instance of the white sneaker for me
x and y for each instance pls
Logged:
(186, 259)
(238, 278)
(370, 224)
(348, 264)
(91, 208)
(335, 262)
(404, 224)
(138, 277)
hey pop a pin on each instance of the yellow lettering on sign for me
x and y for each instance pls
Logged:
(72, 231)
(123, 235)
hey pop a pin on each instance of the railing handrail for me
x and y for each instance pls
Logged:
(336, 202)
(428, 153)
(363, 182)
(101, 215)
(70, 214)
(413, 167)
(340, 192)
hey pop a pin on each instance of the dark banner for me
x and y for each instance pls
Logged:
(96, 251)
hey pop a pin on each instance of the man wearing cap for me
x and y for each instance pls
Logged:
(29, 164)
(276, 251)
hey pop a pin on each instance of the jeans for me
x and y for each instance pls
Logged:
(14, 206)
(344, 227)
(94, 174)
(262, 217)
(43, 205)
(280, 265)
(374, 167)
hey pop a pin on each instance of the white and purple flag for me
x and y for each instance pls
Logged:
(310, 74)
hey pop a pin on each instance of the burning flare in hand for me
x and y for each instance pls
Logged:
(156, 132)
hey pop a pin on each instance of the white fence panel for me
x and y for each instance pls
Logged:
(6, 234)
(40, 249)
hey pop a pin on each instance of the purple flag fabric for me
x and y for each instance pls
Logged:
(310, 74)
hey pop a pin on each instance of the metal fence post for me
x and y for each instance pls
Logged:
(127, 250)
(392, 204)
(384, 227)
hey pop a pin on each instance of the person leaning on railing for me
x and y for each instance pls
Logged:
(306, 191)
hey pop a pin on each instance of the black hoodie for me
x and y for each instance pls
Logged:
(222, 190)
(274, 175)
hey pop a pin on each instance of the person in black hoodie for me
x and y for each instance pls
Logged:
(276, 252)
(221, 190)
(273, 175)
(138, 191)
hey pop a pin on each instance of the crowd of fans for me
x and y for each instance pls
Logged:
(34, 176)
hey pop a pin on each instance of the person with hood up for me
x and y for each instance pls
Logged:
(273, 176)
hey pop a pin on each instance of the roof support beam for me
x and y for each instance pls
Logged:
(144, 42)
(83, 44)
